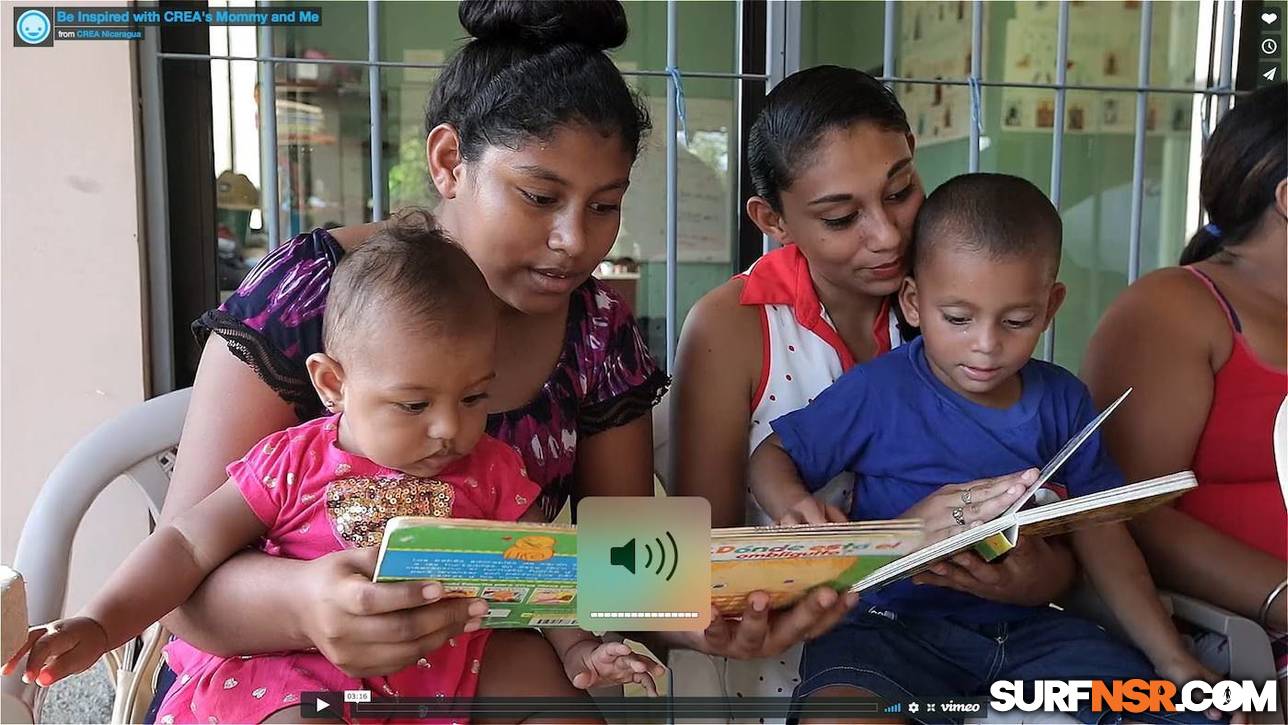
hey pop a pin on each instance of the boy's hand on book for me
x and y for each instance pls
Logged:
(59, 649)
(592, 663)
(810, 510)
(1033, 574)
(955, 507)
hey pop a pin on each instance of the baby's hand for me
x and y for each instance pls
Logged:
(810, 510)
(592, 663)
(59, 649)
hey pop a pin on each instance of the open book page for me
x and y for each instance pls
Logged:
(786, 562)
(928, 556)
(1064, 454)
(1000, 535)
(1117, 504)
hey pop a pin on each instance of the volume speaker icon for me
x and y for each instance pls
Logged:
(667, 553)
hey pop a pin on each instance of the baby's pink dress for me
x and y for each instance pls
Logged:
(315, 499)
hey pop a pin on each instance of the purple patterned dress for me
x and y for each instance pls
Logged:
(604, 378)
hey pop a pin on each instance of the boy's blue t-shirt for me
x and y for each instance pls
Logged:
(905, 434)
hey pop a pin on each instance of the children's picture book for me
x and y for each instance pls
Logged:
(788, 561)
(528, 571)
(1034, 515)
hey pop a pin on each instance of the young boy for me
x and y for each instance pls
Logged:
(962, 402)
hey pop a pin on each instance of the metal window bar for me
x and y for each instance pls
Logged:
(1138, 150)
(887, 55)
(272, 206)
(672, 197)
(1057, 140)
(288, 60)
(1227, 60)
(377, 119)
(976, 63)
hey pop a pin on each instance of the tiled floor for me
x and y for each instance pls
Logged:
(83, 698)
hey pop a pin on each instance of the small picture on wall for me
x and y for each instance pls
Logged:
(1012, 115)
(1077, 118)
(1045, 114)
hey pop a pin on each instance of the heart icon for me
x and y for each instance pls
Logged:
(1269, 18)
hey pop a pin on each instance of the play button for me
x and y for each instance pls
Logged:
(327, 705)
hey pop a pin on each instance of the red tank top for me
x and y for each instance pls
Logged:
(1238, 492)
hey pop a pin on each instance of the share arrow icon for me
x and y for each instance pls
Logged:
(1270, 74)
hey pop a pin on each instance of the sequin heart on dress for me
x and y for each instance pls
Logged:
(360, 507)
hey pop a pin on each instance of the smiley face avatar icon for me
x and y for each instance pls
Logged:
(33, 27)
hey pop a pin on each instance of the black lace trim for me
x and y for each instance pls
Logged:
(624, 408)
(286, 378)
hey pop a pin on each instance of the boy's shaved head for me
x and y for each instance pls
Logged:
(999, 215)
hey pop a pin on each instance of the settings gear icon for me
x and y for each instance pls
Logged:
(913, 707)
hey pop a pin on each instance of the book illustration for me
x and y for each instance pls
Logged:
(532, 548)
(519, 568)
(786, 564)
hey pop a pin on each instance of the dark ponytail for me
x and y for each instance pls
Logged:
(532, 67)
(1243, 162)
(804, 107)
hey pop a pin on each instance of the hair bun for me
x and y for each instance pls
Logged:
(599, 24)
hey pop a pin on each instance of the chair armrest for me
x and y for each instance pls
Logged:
(1249, 645)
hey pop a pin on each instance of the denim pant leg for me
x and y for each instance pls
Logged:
(1053, 645)
(899, 658)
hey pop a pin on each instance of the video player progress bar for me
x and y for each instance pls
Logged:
(644, 615)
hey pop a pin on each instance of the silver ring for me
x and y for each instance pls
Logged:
(966, 494)
(959, 515)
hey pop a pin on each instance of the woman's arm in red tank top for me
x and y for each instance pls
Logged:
(1161, 337)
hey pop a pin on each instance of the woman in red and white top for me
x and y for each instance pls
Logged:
(831, 156)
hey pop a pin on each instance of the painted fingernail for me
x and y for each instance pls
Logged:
(26, 679)
(473, 625)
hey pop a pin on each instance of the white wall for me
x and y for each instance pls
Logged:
(71, 282)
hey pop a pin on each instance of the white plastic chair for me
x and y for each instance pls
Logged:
(139, 445)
